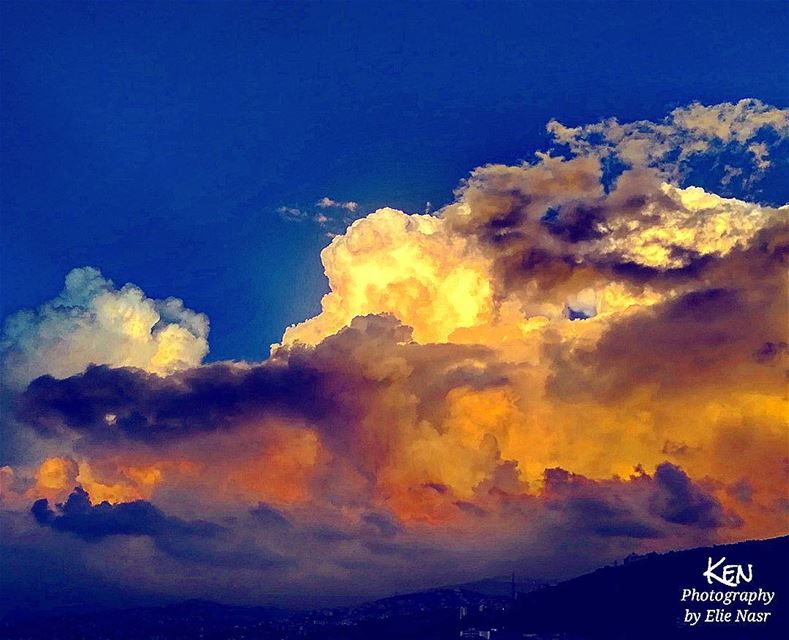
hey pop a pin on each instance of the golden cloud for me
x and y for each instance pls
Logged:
(550, 355)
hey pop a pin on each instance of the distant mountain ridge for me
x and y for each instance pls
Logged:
(638, 599)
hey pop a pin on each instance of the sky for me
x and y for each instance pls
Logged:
(307, 303)
(156, 141)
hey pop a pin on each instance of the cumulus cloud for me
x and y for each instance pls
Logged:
(641, 507)
(545, 237)
(550, 226)
(679, 501)
(139, 518)
(93, 322)
(557, 355)
(745, 132)
(407, 265)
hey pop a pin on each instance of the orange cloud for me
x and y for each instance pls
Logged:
(550, 357)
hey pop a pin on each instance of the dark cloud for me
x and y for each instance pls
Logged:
(436, 486)
(270, 517)
(603, 509)
(671, 448)
(703, 306)
(226, 551)
(627, 529)
(92, 522)
(107, 403)
(333, 385)
(196, 541)
(383, 523)
(677, 499)
(552, 224)
(693, 340)
(742, 490)
(470, 507)
(770, 352)
(638, 508)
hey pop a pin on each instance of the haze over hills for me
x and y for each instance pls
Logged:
(640, 597)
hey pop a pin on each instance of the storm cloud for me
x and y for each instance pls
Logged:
(559, 360)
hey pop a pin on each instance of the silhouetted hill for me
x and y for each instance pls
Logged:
(638, 599)
(428, 614)
(642, 598)
(502, 586)
(189, 619)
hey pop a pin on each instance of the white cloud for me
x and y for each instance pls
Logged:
(93, 322)
(329, 203)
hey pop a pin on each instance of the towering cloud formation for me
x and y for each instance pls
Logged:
(565, 353)
(407, 265)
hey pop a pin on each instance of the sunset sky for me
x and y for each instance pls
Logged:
(311, 303)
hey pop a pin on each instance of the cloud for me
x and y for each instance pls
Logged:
(329, 203)
(409, 266)
(93, 322)
(544, 236)
(91, 522)
(746, 132)
(642, 507)
(679, 501)
(270, 517)
(104, 402)
(292, 214)
(322, 218)
(558, 368)
(552, 225)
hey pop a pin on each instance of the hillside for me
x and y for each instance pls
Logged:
(642, 598)
(639, 598)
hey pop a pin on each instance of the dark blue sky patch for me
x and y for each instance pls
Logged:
(576, 314)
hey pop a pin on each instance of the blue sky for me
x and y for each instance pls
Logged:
(156, 141)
